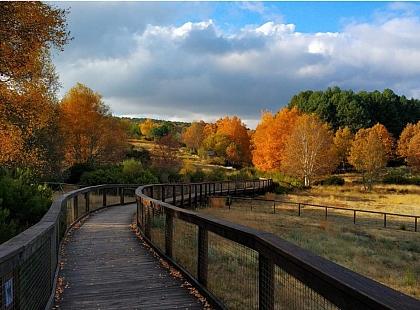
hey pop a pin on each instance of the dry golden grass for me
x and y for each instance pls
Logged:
(217, 202)
(390, 256)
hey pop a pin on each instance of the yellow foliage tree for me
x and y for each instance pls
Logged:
(343, 140)
(146, 128)
(309, 150)
(368, 155)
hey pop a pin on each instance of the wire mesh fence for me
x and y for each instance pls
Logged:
(292, 294)
(233, 273)
(244, 268)
(28, 262)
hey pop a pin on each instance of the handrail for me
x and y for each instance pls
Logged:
(29, 262)
(268, 271)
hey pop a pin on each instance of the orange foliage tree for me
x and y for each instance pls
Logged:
(387, 140)
(238, 151)
(28, 82)
(91, 134)
(193, 137)
(270, 136)
(413, 154)
(408, 146)
(309, 150)
(405, 138)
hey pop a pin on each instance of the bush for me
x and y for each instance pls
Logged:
(74, 173)
(105, 175)
(23, 202)
(334, 180)
(400, 176)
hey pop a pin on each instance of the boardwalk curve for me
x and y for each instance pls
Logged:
(108, 267)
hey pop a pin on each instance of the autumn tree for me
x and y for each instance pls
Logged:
(193, 137)
(166, 156)
(217, 142)
(147, 127)
(239, 149)
(368, 155)
(405, 138)
(270, 136)
(387, 140)
(309, 150)
(92, 135)
(343, 140)
(28, 81)
(413, 153)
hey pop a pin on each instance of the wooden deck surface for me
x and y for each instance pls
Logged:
(107, 267)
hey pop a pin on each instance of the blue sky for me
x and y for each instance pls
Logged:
(204, 60)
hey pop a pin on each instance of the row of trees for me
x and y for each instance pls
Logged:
(340, 108)
(304, 146)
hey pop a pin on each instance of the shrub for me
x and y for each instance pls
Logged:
(74, 173)
(103, 175)
(23, 202)
(334, 180)
(217, 202)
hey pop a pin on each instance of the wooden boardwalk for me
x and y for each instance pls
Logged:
(107, 267)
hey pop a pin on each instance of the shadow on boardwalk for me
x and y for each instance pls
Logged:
(106, 266)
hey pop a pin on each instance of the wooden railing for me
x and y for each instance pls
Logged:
(29, 262)
(238, 267)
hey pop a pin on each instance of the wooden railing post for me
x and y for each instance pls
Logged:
(76, 206)
(87, 202)
(163, 193)
(174, 195)
(121, 195)
(104, 198)
(195, 195)
(189, 195)
(203, 253)
(148, 224)
(266, 283)
(182, 195)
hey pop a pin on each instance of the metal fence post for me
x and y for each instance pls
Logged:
(203, 252)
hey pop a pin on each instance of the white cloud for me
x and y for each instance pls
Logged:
(192, 70)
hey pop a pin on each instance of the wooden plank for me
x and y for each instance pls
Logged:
(107, 267)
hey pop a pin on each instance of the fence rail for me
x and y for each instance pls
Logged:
(29, 262)
(238, 267)
(385, 216)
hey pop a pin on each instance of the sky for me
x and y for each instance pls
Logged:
(190, 61)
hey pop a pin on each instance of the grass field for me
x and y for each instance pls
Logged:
(389, 255)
